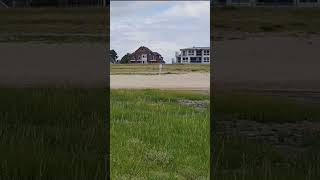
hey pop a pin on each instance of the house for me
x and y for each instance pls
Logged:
(112, 60)
(144, 55)
(193, 55)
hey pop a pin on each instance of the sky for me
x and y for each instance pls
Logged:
(162, 26)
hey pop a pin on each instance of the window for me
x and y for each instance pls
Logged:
(185, 59)
(184, 53)
(199, 52)
(195, 59)
(190, 52)
(206, 52)
(206, 59)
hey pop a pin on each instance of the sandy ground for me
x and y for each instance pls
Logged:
(190, 81)
(273, 62)
(27, 64)
(270, 63)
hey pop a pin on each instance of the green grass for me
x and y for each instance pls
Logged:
(54, 25)
(240, 158)
(59, 133)
(155, 137)
(264, 108)
(48, 133)
(266, 20)
(77, 25)
(237, 157)
(152, 69)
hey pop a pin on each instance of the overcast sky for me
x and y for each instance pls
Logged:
(162, 26)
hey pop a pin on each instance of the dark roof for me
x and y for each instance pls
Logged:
(156, 53)
(144, 50)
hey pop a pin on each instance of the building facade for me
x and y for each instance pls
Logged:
(194, 55)
(144, 55)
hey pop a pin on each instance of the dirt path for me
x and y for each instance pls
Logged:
(190, 81)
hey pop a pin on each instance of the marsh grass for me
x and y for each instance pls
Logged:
(49, 133)
(155, 137)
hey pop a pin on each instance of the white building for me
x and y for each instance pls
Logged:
(194, 55)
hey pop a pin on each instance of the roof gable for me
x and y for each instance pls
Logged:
(143, 50)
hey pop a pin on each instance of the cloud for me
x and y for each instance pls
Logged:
(189, 9)
(163, 26)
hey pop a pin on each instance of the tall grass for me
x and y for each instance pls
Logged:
(237, 157)
(253, 20)
(240, 158)
(54, 25)
(155, 137)
(263, 108)
(48, 133)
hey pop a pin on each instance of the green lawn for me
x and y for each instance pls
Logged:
(152, 69)
(155, 137)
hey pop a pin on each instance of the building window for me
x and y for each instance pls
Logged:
(185, 60)
(206, 59)
(190, 52)
(195, 59)
(184, 53)
(199, 52)
(206, 52)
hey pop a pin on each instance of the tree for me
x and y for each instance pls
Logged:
(125, 59)
(113, 54)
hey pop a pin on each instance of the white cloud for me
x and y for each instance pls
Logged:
(163, 26)
(189, 9)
